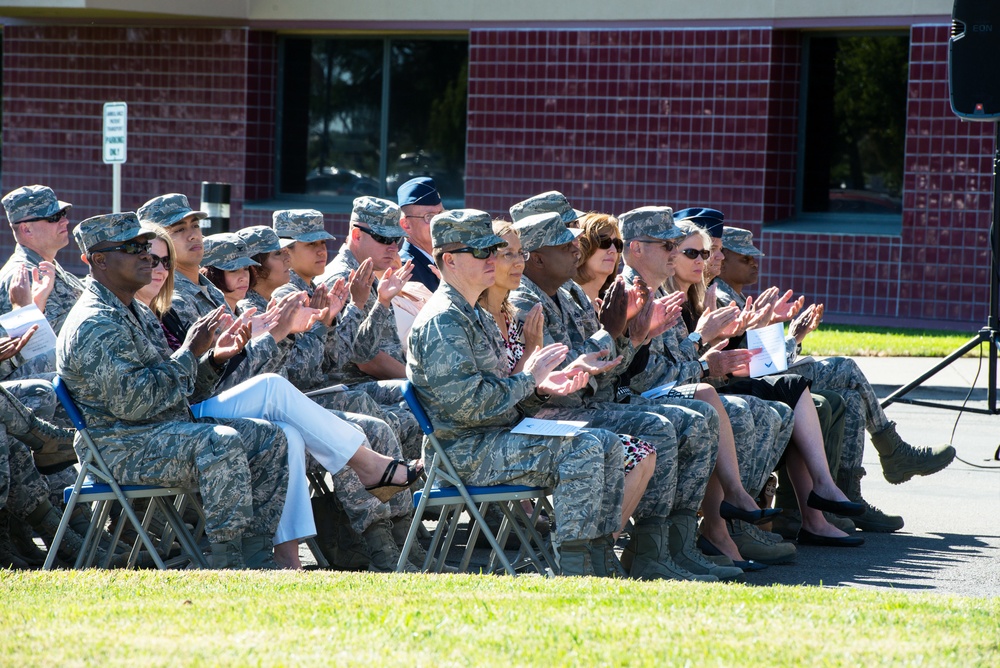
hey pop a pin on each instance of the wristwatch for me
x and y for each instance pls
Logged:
(704, 368)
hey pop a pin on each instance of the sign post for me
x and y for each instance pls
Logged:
(115, 145)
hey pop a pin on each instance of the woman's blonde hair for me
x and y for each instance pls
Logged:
(500, 228)
(696, 293)
(161, 302)
(594, 226)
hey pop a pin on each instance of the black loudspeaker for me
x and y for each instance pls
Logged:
(973, 57)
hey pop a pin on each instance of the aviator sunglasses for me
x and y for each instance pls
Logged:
(693, 254)
(384, 240)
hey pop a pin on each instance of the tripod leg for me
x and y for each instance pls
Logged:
(984, 335)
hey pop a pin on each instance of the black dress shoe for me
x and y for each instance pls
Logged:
(842, 508)
(730, 512)
(809, 538)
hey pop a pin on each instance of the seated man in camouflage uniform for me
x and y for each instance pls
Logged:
(900, 460)
(134, 395)
(40, 226)
(454, 364)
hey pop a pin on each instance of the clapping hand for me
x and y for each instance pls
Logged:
(234, 338)
(360, 283)
(12, 345)
(392, 281)
(614, 308)
(593, 363)
(201, 335)
(806, 322)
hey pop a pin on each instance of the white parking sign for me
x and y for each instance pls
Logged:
(115, 132)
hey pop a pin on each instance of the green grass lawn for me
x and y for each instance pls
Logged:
(854, 341)
(325, 619)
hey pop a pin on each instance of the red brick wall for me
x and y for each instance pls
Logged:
(200, 108)
(618, 119)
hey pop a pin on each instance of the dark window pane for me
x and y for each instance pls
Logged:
(855, 124)
(336, 127)
(427, 114)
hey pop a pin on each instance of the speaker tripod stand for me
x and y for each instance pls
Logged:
(988, 334)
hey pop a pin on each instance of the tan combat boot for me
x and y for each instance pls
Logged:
(901, 461)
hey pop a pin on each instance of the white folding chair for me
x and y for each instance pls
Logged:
(445, 489)
(96, 484)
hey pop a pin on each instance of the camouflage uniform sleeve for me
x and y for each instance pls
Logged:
(304, 356)
(445, 366)
(262, 356)
(117, 377)
(341, 339)
(375, 334)
(684, 352)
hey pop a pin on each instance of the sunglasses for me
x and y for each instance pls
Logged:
(385, 241)
(693, 254)
(54, 218)
(668, 246)
(604, 243)
(129, 248)
(157, 260)
(478, 253)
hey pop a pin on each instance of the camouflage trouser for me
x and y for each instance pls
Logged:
(22, 489)
(361, 507)
(585, 472)
(658, 497)
(697, 427)
(37, 395)
(759, 447)
(239, 465)
(388, 397)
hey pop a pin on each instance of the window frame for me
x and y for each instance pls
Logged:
(874, 224)
(332, 204)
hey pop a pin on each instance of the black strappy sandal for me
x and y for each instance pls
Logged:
(385, 489)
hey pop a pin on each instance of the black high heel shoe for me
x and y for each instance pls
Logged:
(730, 512)
(842, 508)
(385, 489)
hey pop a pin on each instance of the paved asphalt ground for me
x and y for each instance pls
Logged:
(951, 541)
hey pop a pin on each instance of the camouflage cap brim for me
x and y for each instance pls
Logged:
(309, 237)
(237, 263)
(486, 241)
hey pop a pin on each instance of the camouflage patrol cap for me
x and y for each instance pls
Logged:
(227, 251)
(109, 227)
(32, 202)
(649, 221)
(167, 210)
(464, 226)
(262, 239)
(547, 202)
(379, 215)
(304, 225)
(739, 241)
(543, 229)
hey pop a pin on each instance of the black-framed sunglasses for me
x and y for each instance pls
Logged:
(384, 240)
(668, 246)
(478, 253)
(129, 248)
(604, 243)
(165, 261)
(693, 254)
(54, 218)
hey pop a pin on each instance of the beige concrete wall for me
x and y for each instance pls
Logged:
(475, 11)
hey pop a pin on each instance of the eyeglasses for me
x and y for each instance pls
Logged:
(668, 246)
(129, 248)
(54, 218)
(604, 243)
(478, 253)
(385, 241)
(693, 254)
(426, 217)
(157, 260)
(511, 256)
